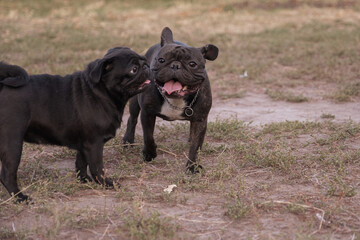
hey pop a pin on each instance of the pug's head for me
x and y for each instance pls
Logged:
(12, 76)
(123, 72)
(178, 69)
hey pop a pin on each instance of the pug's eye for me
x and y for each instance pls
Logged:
(134, 70)
(161, 60)
(192, 64)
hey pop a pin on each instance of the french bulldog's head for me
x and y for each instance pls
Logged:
(123, 72)
(179, 69)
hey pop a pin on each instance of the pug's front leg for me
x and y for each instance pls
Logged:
(81, 167)
(93, 154)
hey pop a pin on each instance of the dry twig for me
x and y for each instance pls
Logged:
(13, 196)
(304, 206)
(168, 152)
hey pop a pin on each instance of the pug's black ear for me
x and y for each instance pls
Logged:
(15, 81)
(98, 68)
(210, 52)
(12, 75)
(115, 50)
(166, 36)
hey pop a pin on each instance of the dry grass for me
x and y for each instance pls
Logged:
(295, 180)
(289, 173)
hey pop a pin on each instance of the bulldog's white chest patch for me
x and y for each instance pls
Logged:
(170, 112)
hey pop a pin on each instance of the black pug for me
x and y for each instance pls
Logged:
(81, 111)
(180, 90)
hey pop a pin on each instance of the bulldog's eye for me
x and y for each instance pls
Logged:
(134, 70)
(161, 60)
(192, 64)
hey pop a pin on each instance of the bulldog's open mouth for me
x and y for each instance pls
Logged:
(176, 89)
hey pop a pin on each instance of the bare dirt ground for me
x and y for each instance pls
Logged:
(195, 209)
(258, 109)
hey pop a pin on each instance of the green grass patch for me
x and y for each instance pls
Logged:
(286, 96)
(237, 209)
(240, 94)
(263, 155)
(339, 133)
(228, 129)
(345, 93)
(327, 116)
(152, 226)
(289, 128)
(288, 4)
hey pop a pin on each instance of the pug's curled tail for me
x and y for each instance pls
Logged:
(12, 76)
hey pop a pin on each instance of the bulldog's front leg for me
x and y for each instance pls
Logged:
(93, 155)
(197, 135)
(148, 126)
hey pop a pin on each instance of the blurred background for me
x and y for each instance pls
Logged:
(283, 45)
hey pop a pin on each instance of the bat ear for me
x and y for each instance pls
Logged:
(166, 36)
(210, 52)
(98, 68)
(12, 75)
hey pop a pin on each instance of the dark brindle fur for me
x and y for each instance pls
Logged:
(179, 79)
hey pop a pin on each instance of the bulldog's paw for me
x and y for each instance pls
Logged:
(106, 182)
(84, 179)
(21, 198)
(109, 183)
(194, 168)
(149, 156)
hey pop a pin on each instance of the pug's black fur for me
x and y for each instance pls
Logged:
(81, 111)
(180, 64)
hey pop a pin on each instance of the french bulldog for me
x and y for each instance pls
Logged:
(81, 111)
(179, 90)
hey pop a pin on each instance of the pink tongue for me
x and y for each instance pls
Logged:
(172, 86)
(145, 83)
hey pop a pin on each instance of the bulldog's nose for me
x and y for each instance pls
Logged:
(175, 65)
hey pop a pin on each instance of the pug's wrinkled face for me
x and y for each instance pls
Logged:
(179, 70)
(123, 72)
